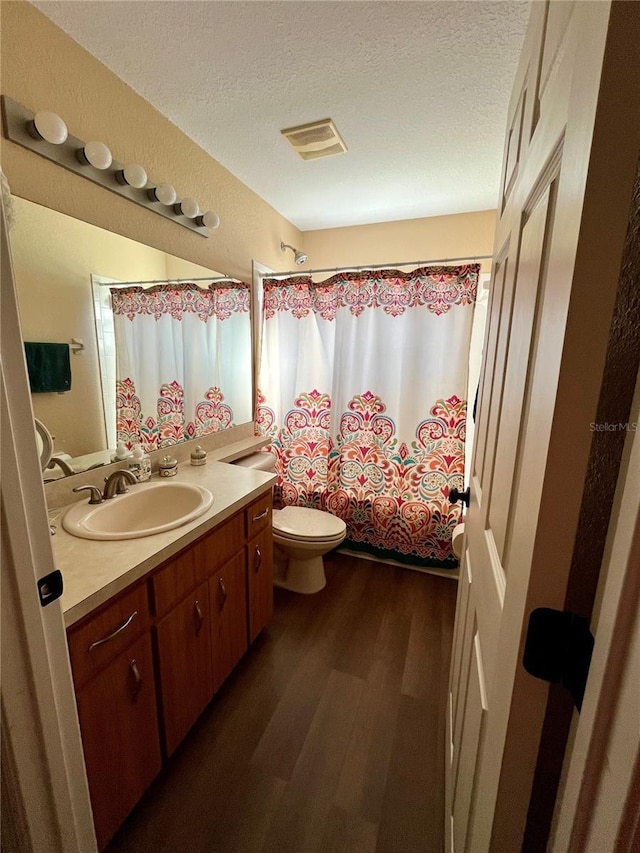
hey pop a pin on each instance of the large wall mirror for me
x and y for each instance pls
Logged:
(192, 361)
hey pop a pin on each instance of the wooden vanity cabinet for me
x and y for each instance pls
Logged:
(228, 598)
(202, 608)
(259, 564)
(184, 665)
(112, 661)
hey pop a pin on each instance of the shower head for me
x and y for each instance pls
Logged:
(299, 257)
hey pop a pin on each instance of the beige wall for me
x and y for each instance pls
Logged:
(462, 234)
(43, 68)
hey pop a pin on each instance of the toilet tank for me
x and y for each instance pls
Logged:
(264, 461)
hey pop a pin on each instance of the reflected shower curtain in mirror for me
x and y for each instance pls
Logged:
(179, 349)
(363, 395)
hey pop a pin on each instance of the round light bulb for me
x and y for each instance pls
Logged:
(188, 207)
(134, 175)
(164, 193)
(50, 127)
(96, 154)
(209, 220)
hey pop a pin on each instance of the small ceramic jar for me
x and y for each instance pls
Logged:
(198, 456)
(168, 466)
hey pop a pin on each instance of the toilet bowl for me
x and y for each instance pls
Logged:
(301, 538)
(304, 536)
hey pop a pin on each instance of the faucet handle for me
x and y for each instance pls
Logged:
(96, 494)
(126, 476)
(121, 487)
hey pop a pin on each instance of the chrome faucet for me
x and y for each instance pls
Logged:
(114, 485)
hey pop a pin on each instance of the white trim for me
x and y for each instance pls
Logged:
(258, 271)
(106, 360)
(38, 703)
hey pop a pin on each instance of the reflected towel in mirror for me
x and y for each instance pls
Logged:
(49, 367)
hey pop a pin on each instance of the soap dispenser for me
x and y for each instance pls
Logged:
(122, 452)
(140, 464)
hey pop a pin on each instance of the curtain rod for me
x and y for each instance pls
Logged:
(169, 281)
(376, 266)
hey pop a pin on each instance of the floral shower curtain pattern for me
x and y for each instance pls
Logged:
(363, 396)
(178, 347)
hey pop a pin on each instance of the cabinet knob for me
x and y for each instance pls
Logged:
(137, 679)
(199, 616)
(223, 590)
(257, 560)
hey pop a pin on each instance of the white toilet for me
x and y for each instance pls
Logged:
(301, 537)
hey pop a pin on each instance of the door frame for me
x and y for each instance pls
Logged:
(604, 750)
(47, 797)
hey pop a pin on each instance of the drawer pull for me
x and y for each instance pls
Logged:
(257, 561)
(200, 616)
(262, 515)
(223, 590)
(137, 678)
(115, 633)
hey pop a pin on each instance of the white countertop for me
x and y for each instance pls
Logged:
(94, 571)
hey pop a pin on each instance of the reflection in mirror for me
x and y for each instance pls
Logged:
(44, 443)
(160, 363)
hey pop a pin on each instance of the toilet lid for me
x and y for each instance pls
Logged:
(299, 522)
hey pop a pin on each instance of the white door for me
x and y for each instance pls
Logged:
(569, 164)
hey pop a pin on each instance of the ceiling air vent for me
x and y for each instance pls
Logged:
(318, 139)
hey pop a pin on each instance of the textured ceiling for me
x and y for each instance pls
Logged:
(418, 90)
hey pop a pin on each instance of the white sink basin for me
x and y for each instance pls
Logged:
(146, 509)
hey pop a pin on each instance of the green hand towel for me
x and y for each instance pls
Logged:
(49, 367)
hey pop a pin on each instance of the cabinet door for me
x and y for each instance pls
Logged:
(119, 724)
(228, 599)
(184, 654)
(260, 581)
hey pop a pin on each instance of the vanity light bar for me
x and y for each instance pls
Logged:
(46, 134)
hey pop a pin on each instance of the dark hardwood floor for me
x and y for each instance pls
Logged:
(328, 737)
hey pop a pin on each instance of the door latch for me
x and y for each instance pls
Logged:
(50, 587)
(558, 648)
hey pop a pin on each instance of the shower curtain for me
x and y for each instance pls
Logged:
(363, 395)
(178, 348)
